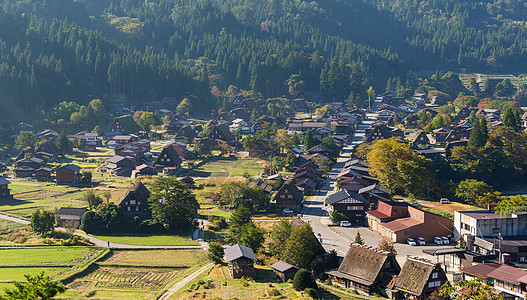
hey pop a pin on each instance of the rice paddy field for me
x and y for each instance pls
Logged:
(138, 274)
(55, 261)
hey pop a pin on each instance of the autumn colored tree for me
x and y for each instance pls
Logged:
(398, 167)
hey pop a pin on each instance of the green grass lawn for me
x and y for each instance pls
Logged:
(17, 274)
(46, 256)
(151, 240)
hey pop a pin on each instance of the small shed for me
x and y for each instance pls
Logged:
(71, 214)
(4, 188)
(241, 261)
(43, 174)
(68, 174)
(284, 271)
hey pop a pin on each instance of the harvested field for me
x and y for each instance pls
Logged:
(158, 258)
(132, 278)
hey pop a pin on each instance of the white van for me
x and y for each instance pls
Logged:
(345, 223)
(444, 201)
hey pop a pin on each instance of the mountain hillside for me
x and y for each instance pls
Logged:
(146, 50)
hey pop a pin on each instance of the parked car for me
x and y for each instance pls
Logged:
(411, 242)
(438, 240)
(417, 203)
(421, 241)
(446, 241)
(345, 223)
(287, 211)
(444, 201)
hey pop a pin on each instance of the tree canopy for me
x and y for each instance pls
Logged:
(173, 204)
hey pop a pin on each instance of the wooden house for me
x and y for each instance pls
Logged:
(284, 271)
(180, 148)
(5, 192)
(240, 260)
(306, 186)
(352, 205)
(135, 201)
(48, 148)
(440, 135)
(379, 131)
(366, 269)
(168, 158)
(125, 125)
(43, 174)
(68, 174)
(120, 166)
(188, 181)
(70, 216)
(419, 139)
(26, 167)
(143, 170)
(288, 196)
(375, 192)
(221, 133)
(187, 132)
(418, 279)
(205, 145)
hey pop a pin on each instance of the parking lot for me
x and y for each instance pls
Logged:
(372, 238)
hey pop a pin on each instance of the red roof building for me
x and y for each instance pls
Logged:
(397, 221)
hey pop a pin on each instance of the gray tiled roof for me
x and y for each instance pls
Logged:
(238, 251)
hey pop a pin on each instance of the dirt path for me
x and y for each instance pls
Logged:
(177, 286)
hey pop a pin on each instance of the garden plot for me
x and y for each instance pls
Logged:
(131, 278)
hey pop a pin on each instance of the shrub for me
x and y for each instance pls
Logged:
(215, 252)
(303, 279)
(274, 293)
(336, 217)
(311, 293)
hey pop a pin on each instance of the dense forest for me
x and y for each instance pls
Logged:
(79, 50)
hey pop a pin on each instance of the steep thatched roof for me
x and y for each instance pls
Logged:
(138, 190)
(366, 263)
(415, 274)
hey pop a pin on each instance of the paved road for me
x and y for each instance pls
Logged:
(103, 243)
(314, 211)
(339, 238)
(14, 219)
(176, 287)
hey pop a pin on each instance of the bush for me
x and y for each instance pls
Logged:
(311, 293)
(336, 217)
(274, 293)
(215, 252)
(303, 279)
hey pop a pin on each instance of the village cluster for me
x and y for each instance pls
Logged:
(476, 243)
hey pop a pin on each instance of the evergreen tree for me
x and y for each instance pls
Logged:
(358, 239)
(215, 252)
(511, 118)
(309, 141)
(484, 130)
(63, 143)
(476, 135)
